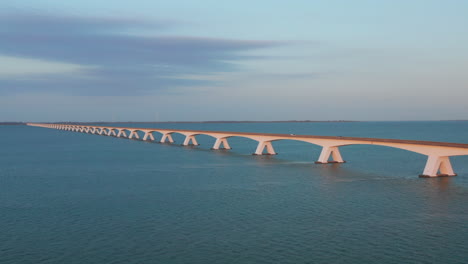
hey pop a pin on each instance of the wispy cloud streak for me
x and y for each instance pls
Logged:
(119, 59)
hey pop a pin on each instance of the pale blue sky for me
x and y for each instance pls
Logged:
(84, 60)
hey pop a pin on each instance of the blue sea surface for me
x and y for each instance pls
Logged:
(69, 197)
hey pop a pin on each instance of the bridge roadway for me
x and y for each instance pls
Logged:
(438, 162)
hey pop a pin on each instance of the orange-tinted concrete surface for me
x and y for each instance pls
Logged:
(438, 153)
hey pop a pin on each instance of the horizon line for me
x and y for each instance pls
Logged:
(229, 121)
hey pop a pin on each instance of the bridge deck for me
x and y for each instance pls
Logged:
(289, 136)
(438, 153)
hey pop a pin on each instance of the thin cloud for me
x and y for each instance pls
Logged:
(115, 62)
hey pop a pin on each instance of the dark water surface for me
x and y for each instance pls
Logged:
(68, 197)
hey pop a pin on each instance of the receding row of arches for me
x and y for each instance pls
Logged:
(437, 165)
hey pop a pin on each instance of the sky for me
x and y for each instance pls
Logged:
(199, 60)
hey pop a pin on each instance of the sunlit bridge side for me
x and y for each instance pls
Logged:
(438, 153)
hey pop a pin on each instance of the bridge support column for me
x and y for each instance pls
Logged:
(148, 135)
(121, 132)
(102, 131)
(436, 164)
(262, 145)
(132, 134)
(189, 139)
(219, 142)
(166, 137)
(111, 132)
(334, 152)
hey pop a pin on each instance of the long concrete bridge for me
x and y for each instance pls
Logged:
(438, 153)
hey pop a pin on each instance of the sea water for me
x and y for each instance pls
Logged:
(69, 197)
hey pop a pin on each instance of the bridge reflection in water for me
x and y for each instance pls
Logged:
(438, 162)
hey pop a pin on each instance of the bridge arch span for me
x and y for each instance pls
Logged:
(438, 152)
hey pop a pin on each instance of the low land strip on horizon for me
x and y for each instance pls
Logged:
(170, 122)
(221, 121)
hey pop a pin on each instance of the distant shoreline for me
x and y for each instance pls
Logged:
(172, 122)
(211, 122)
(221, 122)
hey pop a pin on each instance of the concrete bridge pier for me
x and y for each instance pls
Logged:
(167, 137)
(111, 132)
(328, 152)
(133, 133)
(219, 142)
(121, 133)
(148, 135)
(262, 145)
(438, 166)
(188, 139)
